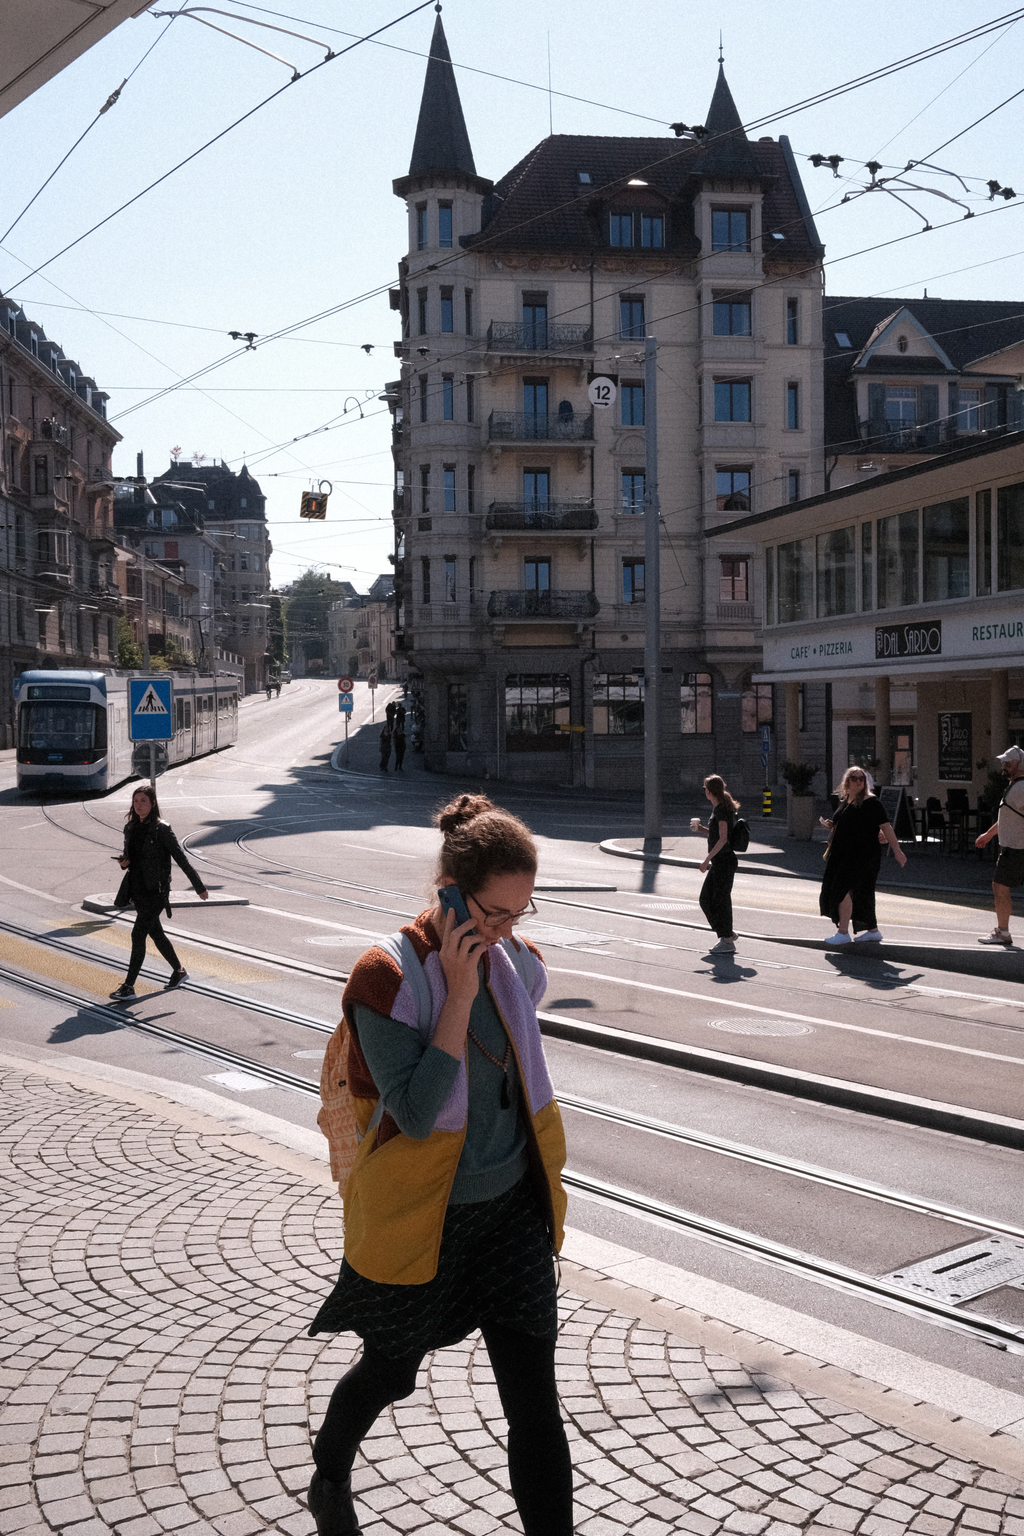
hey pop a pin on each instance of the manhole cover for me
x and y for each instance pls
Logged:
(761, 1026)
(970, 1270)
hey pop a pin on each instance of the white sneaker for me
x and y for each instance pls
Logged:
(998, 936)
(839, 938)
(723, 947)
(872, 936)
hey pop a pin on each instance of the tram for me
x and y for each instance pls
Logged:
(72, 727)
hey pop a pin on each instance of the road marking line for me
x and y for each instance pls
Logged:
(782, 1013)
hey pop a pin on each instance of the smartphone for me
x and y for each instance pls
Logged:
(452, 900)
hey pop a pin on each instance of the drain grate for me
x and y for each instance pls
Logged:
(971, 1270)
(767, 1026)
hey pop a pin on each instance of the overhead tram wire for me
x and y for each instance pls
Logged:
(934, 50)
(110, 102)
(884, 72)
(222, 134)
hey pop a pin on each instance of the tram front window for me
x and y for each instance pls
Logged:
(61, 727)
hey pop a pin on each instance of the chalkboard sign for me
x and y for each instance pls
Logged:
(956, 755)
(897, 808)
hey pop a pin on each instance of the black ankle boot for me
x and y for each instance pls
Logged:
(331, 1506)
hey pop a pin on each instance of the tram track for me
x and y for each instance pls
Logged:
(880, 1290)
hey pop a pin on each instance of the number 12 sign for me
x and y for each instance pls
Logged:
(602, 392)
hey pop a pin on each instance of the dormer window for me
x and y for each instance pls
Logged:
(646, 230)
(730, 229)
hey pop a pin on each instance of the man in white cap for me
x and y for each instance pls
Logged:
(1009, 828)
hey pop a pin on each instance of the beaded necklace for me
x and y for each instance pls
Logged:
(506, 1100)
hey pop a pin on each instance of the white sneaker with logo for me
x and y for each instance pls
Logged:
(998, 936)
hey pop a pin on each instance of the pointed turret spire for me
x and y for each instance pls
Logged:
(441, 143)
(727, 152)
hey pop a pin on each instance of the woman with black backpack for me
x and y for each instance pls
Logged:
(720, 864)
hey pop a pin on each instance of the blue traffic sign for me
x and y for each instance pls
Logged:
(345, 703)
(766, 738)
(149, 709)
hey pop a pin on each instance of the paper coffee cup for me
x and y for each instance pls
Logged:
(694, 823)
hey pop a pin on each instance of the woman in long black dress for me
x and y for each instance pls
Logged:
(720, 864)
(859, 829)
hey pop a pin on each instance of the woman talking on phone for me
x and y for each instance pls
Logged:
(454, 1204)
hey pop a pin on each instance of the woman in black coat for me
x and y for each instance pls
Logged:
(149, 847)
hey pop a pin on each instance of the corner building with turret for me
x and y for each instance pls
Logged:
(519, 504)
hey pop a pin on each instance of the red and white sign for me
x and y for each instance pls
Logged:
(344, 685)
(371, 681)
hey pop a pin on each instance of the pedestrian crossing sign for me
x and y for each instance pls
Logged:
(149, 709)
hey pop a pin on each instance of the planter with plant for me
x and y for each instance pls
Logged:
(800, 801)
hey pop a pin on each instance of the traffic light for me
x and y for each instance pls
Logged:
(314, 505)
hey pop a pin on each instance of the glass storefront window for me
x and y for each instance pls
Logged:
(897, 560)
(536, 705)
(618, 704)
(796, 581)
(1010, 537)
(770, 616)
(695, 704)
(946, 539)
(836, 573)
(867, 567)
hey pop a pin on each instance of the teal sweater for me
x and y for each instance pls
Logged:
(415, 1081)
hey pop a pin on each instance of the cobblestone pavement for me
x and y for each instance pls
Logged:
(155, 1374)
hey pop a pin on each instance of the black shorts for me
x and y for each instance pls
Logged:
(1009, 867)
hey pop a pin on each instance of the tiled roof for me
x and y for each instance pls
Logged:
(441, 142)
(541, 203)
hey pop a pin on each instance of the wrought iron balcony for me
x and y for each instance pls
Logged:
(522, 427)
(538, 336)
(551, 516)
(542, 605)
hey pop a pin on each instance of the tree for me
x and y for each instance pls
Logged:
(275, 629)
(129, 651)
(305, 614)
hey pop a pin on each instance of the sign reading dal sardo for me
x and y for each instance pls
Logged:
(894, 641)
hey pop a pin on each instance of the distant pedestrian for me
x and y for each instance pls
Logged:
(720, 864)
(859, 827)
(398, 740)
(385, 746)
(1009, 828)
(389, 713)
(149, 847)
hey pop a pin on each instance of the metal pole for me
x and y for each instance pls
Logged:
(346, 738)
(145, 613)
(652, 604)
(152, 763)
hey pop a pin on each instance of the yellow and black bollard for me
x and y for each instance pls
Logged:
(766, 803)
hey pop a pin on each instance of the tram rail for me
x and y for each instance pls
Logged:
(837, 1276)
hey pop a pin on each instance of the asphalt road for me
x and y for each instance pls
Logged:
(328, 859)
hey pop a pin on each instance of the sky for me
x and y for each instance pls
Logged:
(291, 213)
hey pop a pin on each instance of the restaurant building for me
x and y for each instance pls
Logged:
(905, 596)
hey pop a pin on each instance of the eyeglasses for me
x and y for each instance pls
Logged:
(853, 776)
(499, 919)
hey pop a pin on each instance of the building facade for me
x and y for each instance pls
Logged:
(519, 550)
(234, 516)
(904, 598)
(59, 601)
(905, 382)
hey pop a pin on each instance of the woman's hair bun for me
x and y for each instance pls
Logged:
(457, 812)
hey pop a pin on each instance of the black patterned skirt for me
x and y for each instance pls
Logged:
(495, 1266)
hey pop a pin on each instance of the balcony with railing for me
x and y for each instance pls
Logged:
(527, 427)
(543, 605)
(540, 516)
(940, 436)
(538, 336)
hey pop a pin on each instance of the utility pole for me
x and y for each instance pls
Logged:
(652, 607)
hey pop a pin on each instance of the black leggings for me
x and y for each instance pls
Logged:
(147, 925)
(539, 1466)
(716, 896)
